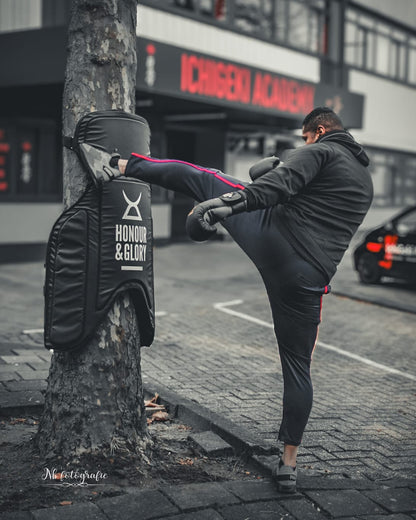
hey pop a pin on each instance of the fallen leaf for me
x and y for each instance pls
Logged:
(17, 421)
(160, 416)
(65, 503)
(186, 462)
(152, 401)
(184, 427)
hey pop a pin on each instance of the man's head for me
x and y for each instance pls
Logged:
(318, 122)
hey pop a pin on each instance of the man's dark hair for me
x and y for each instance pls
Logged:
(322, 116)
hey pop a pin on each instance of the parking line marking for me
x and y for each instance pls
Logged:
(224, 307)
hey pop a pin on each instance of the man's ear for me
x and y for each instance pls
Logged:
(321, 130)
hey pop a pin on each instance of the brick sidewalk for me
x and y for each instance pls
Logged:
(357, 460)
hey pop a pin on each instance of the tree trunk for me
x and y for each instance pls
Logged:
(94, 397)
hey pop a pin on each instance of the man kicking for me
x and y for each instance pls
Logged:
(295, 221)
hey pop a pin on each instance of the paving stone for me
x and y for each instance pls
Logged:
(305, 482)
(342, 503)
(21, 359)
(248, 490)
(8, 368)
(18, 515)
(86, 511)
(13, 400)
(29, 373)
(303, 509)
(34, 384)
(9, 375)
(211, 444)
(192, 496)
(384, 517)
(7, 346)
(39, 365)
(400, 500)
(206, 514)
(257, 511)
(143, 505)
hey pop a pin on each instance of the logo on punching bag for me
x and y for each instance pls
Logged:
(132, 206)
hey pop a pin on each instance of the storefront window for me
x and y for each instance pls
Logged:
(30, 166)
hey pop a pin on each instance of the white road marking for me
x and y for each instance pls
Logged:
(158, 314)
(224, 307)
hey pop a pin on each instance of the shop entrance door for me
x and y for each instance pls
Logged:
(199, 146)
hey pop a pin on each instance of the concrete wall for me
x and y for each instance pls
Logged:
(389, 112)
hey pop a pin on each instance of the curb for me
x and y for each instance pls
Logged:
(198, 416)
(243, 442)
(374, 301)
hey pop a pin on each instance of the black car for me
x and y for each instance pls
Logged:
(389, 250)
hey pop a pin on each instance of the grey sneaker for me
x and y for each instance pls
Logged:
(285, 477)
(100, 164)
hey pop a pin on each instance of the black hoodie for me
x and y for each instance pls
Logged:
(324, 191)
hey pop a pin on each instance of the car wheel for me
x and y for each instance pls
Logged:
(368, 268)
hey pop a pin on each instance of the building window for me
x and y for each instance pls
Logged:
(376, 46)
(394, 177)
(411, 71)
(299, 24)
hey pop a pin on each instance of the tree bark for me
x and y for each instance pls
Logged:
(94, 397)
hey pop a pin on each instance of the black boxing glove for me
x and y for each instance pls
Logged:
(200, 223)
(263, 166)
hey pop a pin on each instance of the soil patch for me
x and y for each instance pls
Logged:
(29, 483)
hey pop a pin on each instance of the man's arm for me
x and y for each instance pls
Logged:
(272, 188)
(288, 179)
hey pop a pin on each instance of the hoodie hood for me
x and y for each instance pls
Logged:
(346, 139)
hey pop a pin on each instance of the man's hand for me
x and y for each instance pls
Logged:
(121, 164)
(200, 224)
(263, 166)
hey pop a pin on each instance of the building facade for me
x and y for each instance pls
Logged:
(222, 83)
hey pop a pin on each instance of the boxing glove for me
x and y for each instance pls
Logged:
(200, 223)
(263, 166)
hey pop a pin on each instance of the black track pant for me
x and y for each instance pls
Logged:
(294, 287)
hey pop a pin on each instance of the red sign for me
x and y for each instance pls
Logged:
(212, 78)
(4, 151)
(176, 72)
(216, 79)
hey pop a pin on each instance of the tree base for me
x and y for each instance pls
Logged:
(94, 398)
